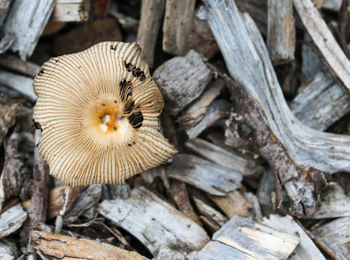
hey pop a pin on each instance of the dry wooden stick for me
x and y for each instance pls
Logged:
(69, 247)
(324, 40)
(177, 24)
(280, 31)
(151, 15)
(71, 11)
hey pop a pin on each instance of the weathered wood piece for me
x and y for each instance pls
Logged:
(201, 38)
(11, 220)
(177, 25)
(139, 215)
(209, 212)
(19, 83)
(8, 250)
(8, 113)
(205, 175)
(257, 9)
(179, 194)
(280, 31)
(219, 109)
(12, 62)
(147, 34)
(24, 25)
(87, 199)
(60, 197)
(181, 80)
(71, 11)
(262, 120)
(194, 114)
(324, 40)
(67, 247)
(4, 10)
(253, 240)
(321, 103)
(231, 160)
(333, 203)
(265, 192)
(233, 204)
(336, 235)
(167, 253)
(306, 248)
(333, 5)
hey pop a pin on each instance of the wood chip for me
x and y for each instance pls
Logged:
(19, 83)
(246, 239)
(20, 30)
(219, 109)
(151, 15)
(8, 250)
(58, 199)
(177, 25)
(233, 204)
(179, 194)
(324, 40)
(66, 247)
(333, 203)
(11, 220)
(87, 199)
(321, 103)
(306, 248)
(139, 215)
(336, 235)
(12, 62)
(231, 160)
(205, 175)
(181, 80)
(280, 31)
(71, 11)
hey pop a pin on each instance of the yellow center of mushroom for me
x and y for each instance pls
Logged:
(106, 123)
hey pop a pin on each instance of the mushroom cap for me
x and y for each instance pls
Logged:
(99, 114)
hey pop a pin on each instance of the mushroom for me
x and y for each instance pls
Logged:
(99, 114)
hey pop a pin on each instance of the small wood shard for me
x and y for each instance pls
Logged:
(324, 40)
(12, 62)
(312, 104)
(11, 220)
(171, 228)
(67, 247)
(280, 31)
(336, 236)
(58, 200)
(147, 34)
(223, 157)
(306, 248)
(182, 80)
(205, 175)
(242, 238)
(177, 25)
(21, 84)
(71, 11)
(233, 204)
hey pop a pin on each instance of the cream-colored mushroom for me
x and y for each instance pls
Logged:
(99, 114)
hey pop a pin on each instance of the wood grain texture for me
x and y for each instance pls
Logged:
(61, 246)
(182, 80)
(306, 248)
(321, 103)
(11, 220)
(223, 157)
(139, 215)
(280, 31)
(205, 175)
(147, 34)
(177, 24)
(24, 25)
(71, 11)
